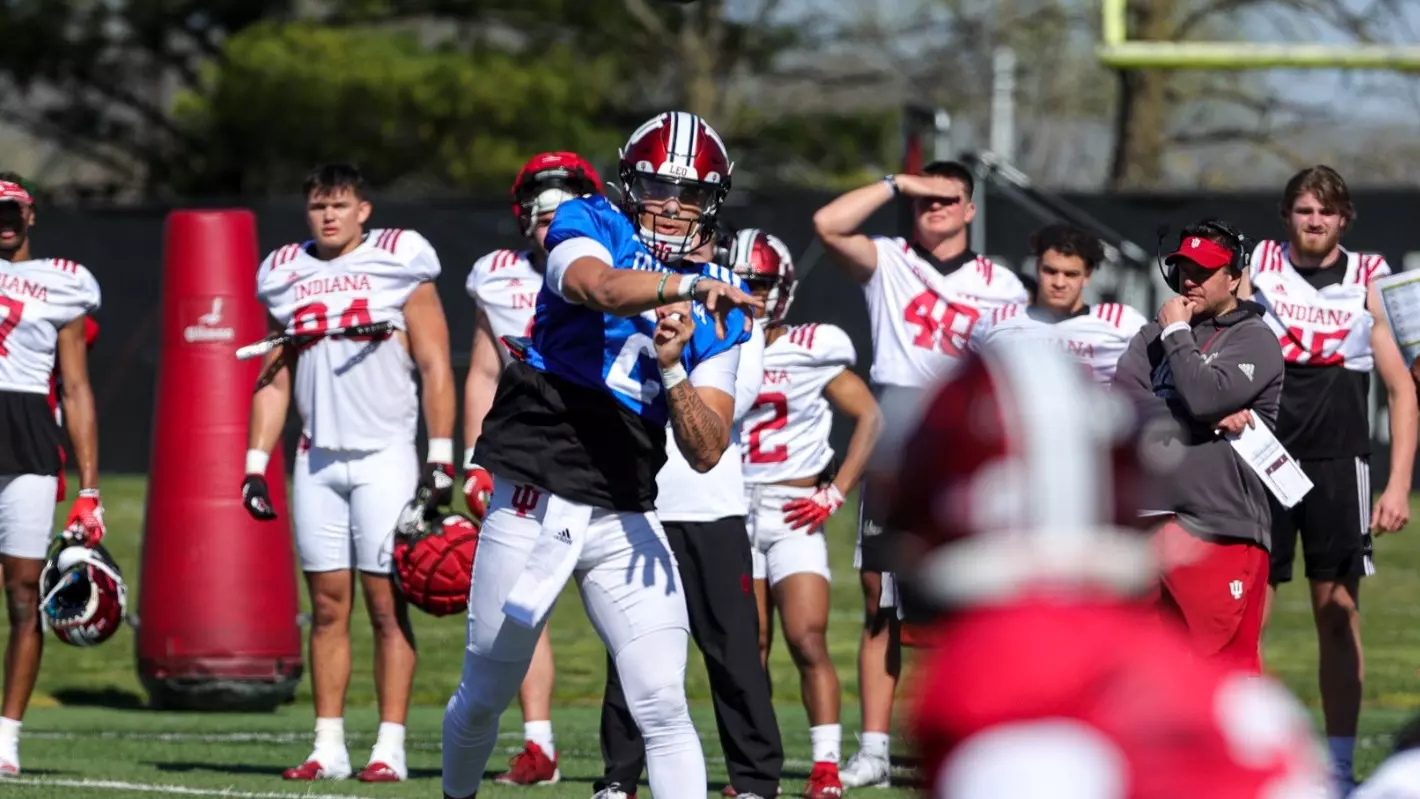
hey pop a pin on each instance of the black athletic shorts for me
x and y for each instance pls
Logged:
(1334, 520)
(874, 553)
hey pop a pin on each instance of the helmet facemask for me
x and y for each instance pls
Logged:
(539, 196)
(693, 206)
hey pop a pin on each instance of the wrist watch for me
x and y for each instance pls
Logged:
(891, 181)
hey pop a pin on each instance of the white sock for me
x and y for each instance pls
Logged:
(10, 740)
(827, 740)
(330, 734)
(1343, 750)
(540, 733)
(390, 738)
(874, 744)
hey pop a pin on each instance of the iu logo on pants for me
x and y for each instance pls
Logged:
(525, 499)
(1236, 589)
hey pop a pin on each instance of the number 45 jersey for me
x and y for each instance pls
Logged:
(785, 433)
(352, 394)
(922, 317)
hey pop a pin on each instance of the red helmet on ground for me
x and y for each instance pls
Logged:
(546, 181)
(763, 261)
(83, 599)
(678, 156)
(433, 557)
(1018, 473)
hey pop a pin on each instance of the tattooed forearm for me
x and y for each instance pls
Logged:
(699, 432)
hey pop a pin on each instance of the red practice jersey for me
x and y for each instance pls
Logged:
(1099, 702)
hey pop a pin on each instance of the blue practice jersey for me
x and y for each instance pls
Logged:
(612, 353)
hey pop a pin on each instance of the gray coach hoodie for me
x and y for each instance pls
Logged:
(1220, 366)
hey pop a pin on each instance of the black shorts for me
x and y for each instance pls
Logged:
(29, 435)
(1334, 520)
(874, 553)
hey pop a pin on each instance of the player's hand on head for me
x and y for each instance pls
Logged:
(927, 186)
(256, 498)
(720, 299)
(673, 329)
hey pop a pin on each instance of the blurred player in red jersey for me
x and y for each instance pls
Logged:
(45, 303)
(807, 374)
(924, 297)
(1323, 306)
(1016, 489)
(504, 285)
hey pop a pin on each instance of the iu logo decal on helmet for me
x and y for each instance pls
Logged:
(83, 599)
(675, 174)
(546, 181)
(433, 556)
(763, 262)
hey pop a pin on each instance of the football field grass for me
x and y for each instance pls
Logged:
(89, 734)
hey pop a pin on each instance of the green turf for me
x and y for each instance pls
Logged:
(90, 695)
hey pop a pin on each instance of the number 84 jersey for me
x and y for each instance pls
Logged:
(352, 394)
(785, 433)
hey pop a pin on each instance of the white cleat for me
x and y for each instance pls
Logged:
(866, 771)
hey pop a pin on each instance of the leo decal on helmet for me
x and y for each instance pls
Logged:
(546, 181)
(764, 262)
(433, 556)
(83, 599)
(676, 157)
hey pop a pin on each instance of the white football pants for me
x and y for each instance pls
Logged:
(631, 589)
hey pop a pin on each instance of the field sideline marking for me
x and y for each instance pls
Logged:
(141, 787)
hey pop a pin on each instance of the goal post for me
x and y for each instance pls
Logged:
(1117, 51)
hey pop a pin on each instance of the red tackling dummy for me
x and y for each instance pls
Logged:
(217, 610)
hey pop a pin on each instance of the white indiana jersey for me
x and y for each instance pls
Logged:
(37, 297)
(922, 319)
(1326, 327)
(505, 286)
(351, 394)
(1096, 338)
(785, 434)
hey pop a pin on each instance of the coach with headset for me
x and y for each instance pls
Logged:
(1211, 364)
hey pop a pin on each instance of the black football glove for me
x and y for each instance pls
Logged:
(439, 479)
(256, 498)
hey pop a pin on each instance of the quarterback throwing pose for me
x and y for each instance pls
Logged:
(806, 375)
(1324, 308)
(924, 297)
(1096, 335)
(576, 434)
(45, 302)
(504, 285)
(357, 464)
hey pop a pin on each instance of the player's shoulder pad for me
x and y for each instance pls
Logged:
(827, 344)
(79, 281)
(1266, 257)
(1372, 267)
(410, 248)
(994, 273)
(1120, 316)
(489, 264)
(280, 258)
(592, 217)
(1001, 313)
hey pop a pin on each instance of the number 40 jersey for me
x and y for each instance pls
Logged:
(352, 394)
(785, 433)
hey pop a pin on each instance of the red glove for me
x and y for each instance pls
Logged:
(86, 518)
(478, 490)
(812, 511)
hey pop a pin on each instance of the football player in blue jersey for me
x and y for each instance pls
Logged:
(623, 345)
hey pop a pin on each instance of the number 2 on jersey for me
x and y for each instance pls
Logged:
(779, 452)
(618, 376)
(13, 309)
(945, 329)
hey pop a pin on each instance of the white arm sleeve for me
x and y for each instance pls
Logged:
(717, 372)
(1037, 760)
(749, 377)
(566, 253)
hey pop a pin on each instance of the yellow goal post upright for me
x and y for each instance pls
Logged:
(1115, 50)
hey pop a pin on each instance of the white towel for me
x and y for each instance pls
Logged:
(553, 559)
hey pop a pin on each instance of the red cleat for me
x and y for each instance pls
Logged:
(531, 766)
(823, 782)
(380, 772)
(312, 770)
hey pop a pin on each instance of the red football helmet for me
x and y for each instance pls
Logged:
(433, 556)
(546, 181)
(764, 262)
(675, 156)
(1018, 473)
(83, 599)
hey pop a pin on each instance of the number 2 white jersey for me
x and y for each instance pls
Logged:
(1317, 327)
(505, 286)
(1097, 337)
(785, 434)
(352, 394)
(38, 297)
(921, 319)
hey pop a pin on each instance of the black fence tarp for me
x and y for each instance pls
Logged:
(124, 249)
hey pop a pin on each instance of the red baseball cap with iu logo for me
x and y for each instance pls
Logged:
(1206, 253)
(14, 193)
